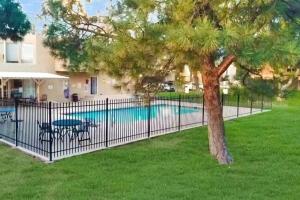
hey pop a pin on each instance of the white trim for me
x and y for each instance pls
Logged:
(16, 52)
(30, 75)
(32, 61)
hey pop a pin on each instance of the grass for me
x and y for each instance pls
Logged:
(266, 149)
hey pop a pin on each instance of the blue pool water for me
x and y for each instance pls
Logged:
(133, 114)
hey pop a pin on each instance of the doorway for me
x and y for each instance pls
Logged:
(94, 85)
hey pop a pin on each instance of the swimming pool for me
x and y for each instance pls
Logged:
(133, 114)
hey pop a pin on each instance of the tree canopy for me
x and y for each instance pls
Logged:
(13, 22)
(149, 33)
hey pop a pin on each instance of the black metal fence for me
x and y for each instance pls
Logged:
(54, 131)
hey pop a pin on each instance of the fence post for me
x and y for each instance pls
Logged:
(17, 117)
(251, 105)
(262, 103)
(106, 122)
(203, 107)
(179, 113)
(149, 118)
(271, 102)
(50, 130)
(238, 105)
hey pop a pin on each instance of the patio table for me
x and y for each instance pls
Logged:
(66, 127)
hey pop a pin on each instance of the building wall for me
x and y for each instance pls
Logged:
(80, 83)
(55, 89)
(188, 77)
(230, 72)
(43, 61)
(109, 86)
(267, 72)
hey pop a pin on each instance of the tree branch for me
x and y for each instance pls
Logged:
(251, 71)
(227, 61)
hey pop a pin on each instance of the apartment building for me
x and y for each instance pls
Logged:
(268, 73)
(27, 70)
(189, 79)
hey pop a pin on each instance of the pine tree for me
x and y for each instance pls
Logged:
(13, 22)
(149, 38)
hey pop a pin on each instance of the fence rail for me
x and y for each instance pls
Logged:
(57, 130)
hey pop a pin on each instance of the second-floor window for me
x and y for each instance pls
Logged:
(27, 53)
(14, 52)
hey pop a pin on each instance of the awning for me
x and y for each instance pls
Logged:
(37, 77)
(30, 75)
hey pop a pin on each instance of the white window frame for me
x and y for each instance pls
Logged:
(33, 53)
(18, 52)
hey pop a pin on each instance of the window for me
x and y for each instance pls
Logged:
(12, 53)
(93, 85)
(27, 53)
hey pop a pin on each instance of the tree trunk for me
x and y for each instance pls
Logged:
(216, 129)
(286, 86)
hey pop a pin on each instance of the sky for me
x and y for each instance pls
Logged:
(33, 8)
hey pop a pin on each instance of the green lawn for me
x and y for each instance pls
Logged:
(266, 149)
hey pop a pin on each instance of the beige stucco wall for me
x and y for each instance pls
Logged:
(54, 89)
(230, 73)
(43, 61)
(77, 83)
(186, 74)
(59, 66)
(267, 72)
(105, 85)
